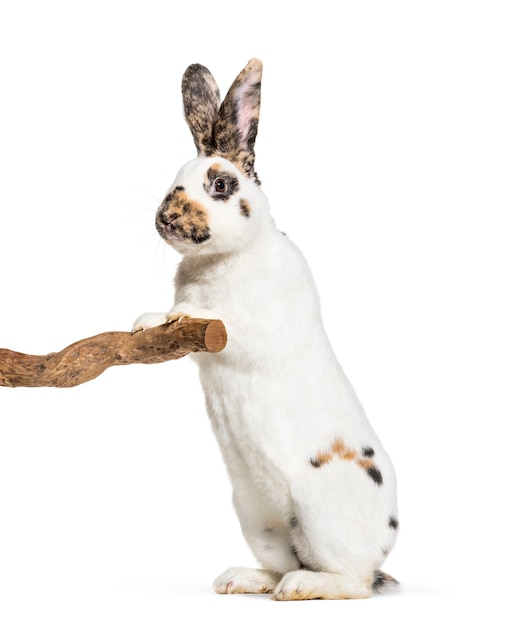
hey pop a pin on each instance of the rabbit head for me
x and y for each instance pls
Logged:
(215, 203)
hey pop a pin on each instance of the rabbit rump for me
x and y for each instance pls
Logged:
(313, 487)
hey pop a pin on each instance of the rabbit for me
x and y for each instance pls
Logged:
(313, 488)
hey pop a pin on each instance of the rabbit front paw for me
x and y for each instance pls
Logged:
(246, 580)
(149, 320)
(183, 310)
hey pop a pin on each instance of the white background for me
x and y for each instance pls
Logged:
(387, 148)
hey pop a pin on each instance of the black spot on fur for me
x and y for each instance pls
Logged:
(382, 582)
(293, 522)
(375, 475)
(268, 530)
(315, 463)
(368, 452)
(294, 552)
(393, 523)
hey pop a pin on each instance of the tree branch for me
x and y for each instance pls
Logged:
(86, 359)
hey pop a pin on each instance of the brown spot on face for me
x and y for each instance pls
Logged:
(340, 450)
(245, 208)
(179, 217)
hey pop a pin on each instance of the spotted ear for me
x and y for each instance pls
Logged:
(201, 102)
(236, 125)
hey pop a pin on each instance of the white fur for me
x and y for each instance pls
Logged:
(276, 397)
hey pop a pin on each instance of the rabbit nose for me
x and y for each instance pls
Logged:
(165, 222)
(164, 217)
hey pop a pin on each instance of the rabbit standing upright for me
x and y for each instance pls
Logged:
(313, 488)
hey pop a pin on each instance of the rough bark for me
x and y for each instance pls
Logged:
(86, 359)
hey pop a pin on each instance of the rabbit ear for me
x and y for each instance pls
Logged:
(236, 126)
(201, 103)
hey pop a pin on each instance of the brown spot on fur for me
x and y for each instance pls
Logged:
(245, 208)
(211, 174)
(340, 450)
(366, 464)
(180, 217)
(321, 459)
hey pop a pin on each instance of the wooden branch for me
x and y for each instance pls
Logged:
(86, 359)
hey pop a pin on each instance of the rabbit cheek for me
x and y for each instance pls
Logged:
(179, 217)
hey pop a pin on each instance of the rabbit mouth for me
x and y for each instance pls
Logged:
(174, 228)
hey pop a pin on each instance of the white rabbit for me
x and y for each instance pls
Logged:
(313, 488)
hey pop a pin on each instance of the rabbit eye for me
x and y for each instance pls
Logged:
(220, 185)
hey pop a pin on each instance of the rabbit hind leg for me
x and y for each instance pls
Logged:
(272, 548)
(309, 585)
(269, 538)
